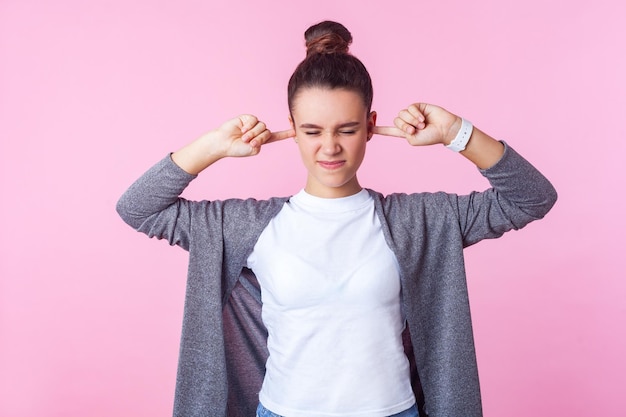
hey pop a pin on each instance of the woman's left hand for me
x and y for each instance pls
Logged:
(423, 124)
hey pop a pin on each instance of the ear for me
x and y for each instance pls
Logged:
(371, 123)
(293, 126)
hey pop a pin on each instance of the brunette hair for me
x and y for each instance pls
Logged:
(329, 64)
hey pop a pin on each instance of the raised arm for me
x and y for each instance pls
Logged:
(519, 193)
(152, 204)
(238, 137)
(424, 124)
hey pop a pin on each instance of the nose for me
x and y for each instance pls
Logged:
(330, 144)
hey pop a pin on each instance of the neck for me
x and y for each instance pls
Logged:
(346, 190)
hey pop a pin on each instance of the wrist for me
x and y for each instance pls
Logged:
(452, 130)
(210, 147)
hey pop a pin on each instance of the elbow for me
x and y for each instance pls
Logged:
(547, 199)
(124, 210)
(534, 208)
(552, 198)
(120, 207)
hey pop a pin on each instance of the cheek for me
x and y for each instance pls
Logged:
(359, 146)
(306, 146)
(306, 143)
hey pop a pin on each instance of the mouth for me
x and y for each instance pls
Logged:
(331, 165)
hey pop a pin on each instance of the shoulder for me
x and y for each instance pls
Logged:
(249, 216)
(253, 207)
(411, 202)
(233, 214)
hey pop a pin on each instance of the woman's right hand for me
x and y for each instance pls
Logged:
(241, 136)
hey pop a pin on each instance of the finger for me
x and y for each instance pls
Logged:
(405, 121)
(415, 111)
(389, 131)
(260, 139)
(247, 122)
(412, 119)
(254, 131)
(404, 126)
(282, 135)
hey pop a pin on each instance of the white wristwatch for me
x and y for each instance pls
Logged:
(461, 139)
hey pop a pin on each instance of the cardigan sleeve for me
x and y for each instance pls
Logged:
(152, 204)
(519, 195)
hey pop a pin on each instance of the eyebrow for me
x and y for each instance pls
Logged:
(343, 125)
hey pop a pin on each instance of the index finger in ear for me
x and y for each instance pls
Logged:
(389, 131)
(282, 135)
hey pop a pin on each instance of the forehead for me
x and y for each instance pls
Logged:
(326, 106)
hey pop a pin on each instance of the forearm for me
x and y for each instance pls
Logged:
(198, 155)
(517, 181)
(519, 195)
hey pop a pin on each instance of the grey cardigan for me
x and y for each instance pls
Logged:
(223, 347)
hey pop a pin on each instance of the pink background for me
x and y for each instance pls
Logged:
(93, 92)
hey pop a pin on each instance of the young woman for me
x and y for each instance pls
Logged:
(333, 301)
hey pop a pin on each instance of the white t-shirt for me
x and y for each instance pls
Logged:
(331, 303)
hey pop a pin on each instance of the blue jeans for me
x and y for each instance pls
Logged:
(264, 412)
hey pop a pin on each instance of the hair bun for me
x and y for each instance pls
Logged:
(327, 38)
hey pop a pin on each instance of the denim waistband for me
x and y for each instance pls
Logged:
(264, 412)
